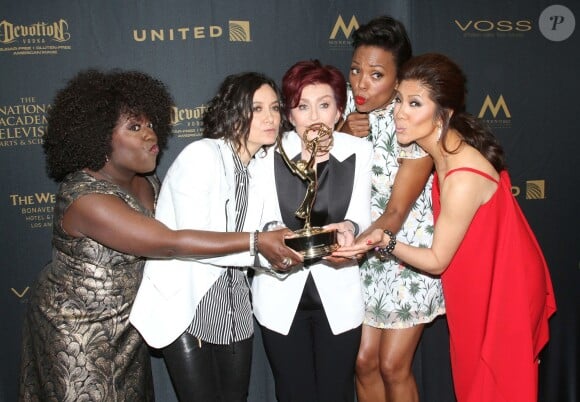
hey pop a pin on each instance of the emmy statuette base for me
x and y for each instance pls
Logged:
(314, 242)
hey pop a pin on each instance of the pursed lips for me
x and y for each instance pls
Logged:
(360, 100)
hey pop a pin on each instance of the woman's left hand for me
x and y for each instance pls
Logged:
(344, 232)
(344, 237)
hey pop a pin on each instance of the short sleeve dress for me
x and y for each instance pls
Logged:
(499, 298)
(78, 344)
(396, 295)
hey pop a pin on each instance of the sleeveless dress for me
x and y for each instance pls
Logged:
(395, 294)
(499, 297)
(78, 344)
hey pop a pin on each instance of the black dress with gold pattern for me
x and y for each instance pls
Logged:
(78, 344)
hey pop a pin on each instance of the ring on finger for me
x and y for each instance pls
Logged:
(286, 261)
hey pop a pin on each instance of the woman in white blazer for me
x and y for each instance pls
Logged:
(198, 310)
(311, 320)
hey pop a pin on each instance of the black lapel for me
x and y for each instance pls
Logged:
(336, 183)
(290, 190)
(340, 183)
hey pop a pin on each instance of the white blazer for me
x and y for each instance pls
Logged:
(276, 300)
(198, 192)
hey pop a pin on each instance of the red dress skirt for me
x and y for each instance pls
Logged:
(499, 297)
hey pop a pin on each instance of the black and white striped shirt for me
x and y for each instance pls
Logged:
(224, 314)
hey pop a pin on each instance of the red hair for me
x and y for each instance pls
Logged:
(312, 72)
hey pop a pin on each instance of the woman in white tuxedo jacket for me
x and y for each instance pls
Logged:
(311, 320)
(198, 311)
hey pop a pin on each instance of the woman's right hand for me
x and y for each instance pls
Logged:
(272, 246)
(356, 124)
(365, 242)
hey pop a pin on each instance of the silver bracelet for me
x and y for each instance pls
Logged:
(254, 242)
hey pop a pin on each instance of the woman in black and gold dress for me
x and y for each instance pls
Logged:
(104, 134)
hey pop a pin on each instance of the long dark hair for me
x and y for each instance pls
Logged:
(229, 113)
(446, 84)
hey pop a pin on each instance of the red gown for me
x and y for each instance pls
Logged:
(499, 296)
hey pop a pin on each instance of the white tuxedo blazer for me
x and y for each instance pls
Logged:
(275, 301)
(198, 192)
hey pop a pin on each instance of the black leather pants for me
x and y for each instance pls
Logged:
(219, 373)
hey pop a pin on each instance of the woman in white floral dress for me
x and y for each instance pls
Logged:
(399, 300)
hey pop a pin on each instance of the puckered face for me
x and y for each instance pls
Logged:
(317, 105)
(266, 119)
(415, 112)
(373, 77)
(134, 144)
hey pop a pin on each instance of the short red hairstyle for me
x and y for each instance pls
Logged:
(311, 72)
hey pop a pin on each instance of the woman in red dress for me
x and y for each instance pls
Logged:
(496, 283)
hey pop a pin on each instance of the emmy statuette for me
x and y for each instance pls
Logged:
(310, 241)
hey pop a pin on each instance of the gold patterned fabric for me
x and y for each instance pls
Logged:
(78, 344)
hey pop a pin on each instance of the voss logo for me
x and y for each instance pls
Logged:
(493, 25)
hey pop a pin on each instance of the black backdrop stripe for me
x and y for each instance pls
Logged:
(521, 58)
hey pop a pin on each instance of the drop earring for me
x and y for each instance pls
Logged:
(439, 132)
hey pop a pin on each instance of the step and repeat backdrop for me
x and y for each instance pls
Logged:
(522, 59)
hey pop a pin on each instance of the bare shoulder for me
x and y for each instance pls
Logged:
(468, 186)
(90, 210)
